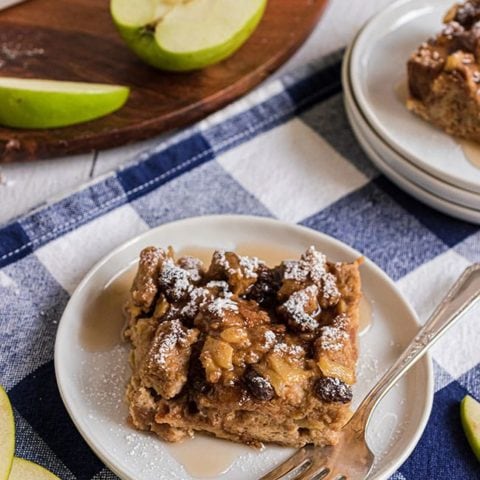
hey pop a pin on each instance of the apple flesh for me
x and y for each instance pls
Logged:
(25, 470)
(7, 435)
(32, 103)
(182, 35)
(470, 416)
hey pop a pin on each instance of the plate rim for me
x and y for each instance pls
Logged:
(368, 30)
(426, 360)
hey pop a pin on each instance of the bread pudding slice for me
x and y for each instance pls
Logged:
(444, 74)
(242, 351)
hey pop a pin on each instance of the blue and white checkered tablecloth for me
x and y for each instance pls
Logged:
(284, 151)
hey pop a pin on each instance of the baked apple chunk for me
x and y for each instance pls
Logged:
(240, 350)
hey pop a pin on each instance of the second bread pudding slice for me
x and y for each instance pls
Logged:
(444, 74)
(240, 350)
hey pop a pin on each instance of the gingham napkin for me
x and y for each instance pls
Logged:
(284, 151)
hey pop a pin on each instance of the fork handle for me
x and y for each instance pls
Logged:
(461, 298)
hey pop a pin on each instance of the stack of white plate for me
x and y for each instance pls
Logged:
(435, 168)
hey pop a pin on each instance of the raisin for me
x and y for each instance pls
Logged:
(467, 14)
(265, 289)
(192, 407)
(196, 373)
(258, 386)
(332, 390)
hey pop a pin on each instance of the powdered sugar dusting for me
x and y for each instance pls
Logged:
(218, 306)
(247, 266)
(192, 265)
(340, 321)
(311, 266)
(174, 279)
(336, 388)
(329, 286)
(202, 298)
(317, 263)
(220, 259)
(250, 266)
(295, 271)
(270, 338)
(197, 297)
(334, 337)
(222, 285)
(295, 307)
(175, 336)
(291, 350)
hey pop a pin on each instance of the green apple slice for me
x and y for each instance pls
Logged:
(26, 470)
(7, 435)
(470, 415)
(183, 35)
(31, 103)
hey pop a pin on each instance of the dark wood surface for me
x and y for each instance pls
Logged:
(76, 40)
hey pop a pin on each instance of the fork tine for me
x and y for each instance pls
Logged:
(314, 472)
(295, 461)
(332, 475)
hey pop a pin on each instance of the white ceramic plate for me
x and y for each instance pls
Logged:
(450, 193)
(457, 211)
(402, 165)
(378, 69)
(92, 382)
(390, 164)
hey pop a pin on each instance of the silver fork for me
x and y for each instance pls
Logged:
(351, 458)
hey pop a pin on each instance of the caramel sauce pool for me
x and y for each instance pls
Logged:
(471, 150)
(401, 92)
(207, 457)
(103, 318)
(202, 456)
(366, 316)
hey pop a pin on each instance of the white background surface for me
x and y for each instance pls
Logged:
(26, 185)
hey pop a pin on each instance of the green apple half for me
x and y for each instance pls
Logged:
(25, 470)
(470, 415)
(31, 103)
(7, 435)
(182, 35)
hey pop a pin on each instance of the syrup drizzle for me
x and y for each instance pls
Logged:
(471, 150)
(103, 318)
(366, 316)
(401, 92)
(207, 457)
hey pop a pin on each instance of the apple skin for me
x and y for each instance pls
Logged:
(143, 44)
(7, 435)
(26, 470)
(21, 108)
(470, 416)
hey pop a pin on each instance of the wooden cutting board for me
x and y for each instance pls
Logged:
(76, 40)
